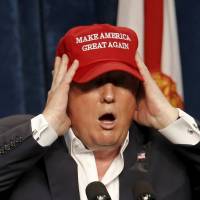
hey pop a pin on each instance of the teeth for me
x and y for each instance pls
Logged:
(107, 117)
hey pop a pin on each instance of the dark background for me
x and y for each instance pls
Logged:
(30, 30)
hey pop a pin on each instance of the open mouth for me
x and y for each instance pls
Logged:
(107, 117)
(107, 121)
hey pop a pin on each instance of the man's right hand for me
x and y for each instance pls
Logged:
(55, 111)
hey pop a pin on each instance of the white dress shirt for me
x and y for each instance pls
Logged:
(87, 171)
(182, 131)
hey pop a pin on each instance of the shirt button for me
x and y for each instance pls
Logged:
(190, 131)
(12, 143)
(2, 151)
(7, 147)
(195, 126)
(76, 146)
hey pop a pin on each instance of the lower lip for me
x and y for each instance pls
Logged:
(107, 125)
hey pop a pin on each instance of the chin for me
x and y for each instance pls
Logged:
(108, 143)
(103, 147)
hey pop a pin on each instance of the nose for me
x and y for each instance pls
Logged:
(108, 93)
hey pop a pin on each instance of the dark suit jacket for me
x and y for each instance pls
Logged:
(31, 172)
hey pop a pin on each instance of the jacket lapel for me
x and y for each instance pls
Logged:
(61, 172)
(126, 178)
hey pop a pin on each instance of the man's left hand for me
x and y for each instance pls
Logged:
(153, 109)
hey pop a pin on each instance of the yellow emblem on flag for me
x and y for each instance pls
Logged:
(168, 87)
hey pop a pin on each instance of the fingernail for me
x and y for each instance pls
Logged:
(64, 56)
(76, 61)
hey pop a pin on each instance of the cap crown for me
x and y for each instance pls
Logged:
(99, 42)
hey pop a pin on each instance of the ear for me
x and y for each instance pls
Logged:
(140, 92)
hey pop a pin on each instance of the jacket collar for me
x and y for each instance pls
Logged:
(126, 178)
(61, 172)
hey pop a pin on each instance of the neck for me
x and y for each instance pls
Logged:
(104, 159)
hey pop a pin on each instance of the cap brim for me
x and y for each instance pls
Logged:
(88, 73)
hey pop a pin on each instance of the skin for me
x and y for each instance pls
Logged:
(86, 103)
(113, 93)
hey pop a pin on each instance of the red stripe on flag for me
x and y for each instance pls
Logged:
(153, 30)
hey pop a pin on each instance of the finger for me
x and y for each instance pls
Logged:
(150, 86)
(71, 72)
(56, 64)
(55, 69)
(142, 67)
(62, 69)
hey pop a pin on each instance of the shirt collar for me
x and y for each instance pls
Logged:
(75, 145)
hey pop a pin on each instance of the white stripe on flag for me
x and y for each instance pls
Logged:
(170, 62)
(131, 14)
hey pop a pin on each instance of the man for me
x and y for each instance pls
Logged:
(104, 117)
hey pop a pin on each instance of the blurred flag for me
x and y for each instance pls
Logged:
(155, 23)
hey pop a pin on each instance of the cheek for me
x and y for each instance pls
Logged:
(128, 101)
(131, 105)
(127, 108)
(82, 112)
(77, 112)
(80, 121)
(82, 105)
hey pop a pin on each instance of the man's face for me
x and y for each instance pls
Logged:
(101, 110)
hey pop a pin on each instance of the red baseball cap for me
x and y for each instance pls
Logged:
(100, 48)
